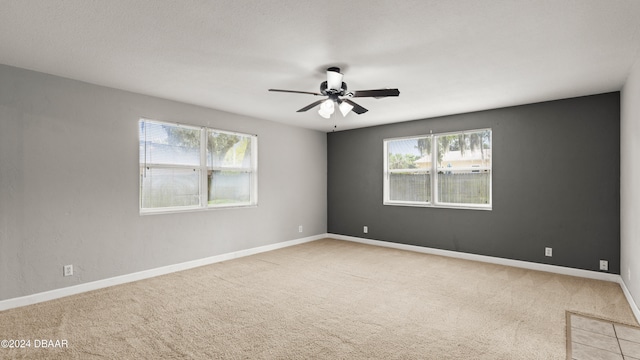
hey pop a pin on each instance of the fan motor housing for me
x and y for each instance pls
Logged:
(325, 91)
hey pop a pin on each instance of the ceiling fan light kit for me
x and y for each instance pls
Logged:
(336, 91)
(326, 109)
(345, 108)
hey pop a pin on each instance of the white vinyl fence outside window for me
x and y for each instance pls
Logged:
(439, 170)
(185, 167)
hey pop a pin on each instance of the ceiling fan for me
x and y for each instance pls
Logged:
(336, 91)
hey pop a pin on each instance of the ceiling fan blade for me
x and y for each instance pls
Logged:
(334, 78)
(378, 93)
(312, 105)
(356, 108)
(296, 92)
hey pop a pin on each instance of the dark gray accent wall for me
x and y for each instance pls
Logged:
(556, 183)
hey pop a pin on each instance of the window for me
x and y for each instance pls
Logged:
(186, 167)
(439, 170)
(409, 171)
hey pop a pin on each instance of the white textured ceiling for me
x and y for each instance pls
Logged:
(445, 56)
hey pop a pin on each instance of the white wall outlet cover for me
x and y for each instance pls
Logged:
(67, 270)
(604, 265)
(365, 229)
(548, 251)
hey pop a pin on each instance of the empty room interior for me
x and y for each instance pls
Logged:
(330, 180)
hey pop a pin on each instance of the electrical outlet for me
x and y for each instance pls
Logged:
(300, 228)
(604, 265)
(365, 229)
(548, 251)
(67, 270)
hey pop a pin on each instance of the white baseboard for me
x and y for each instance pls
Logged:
(507, 262)
(630, 299)
(487, 259)
(77, 289)
(99, 284)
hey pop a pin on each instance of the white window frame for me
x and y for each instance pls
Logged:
(252, 169)
(433, 172)
(202, 169)
(388, 172)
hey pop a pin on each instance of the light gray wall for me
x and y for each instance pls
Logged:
(630, 183)
(556, 183)
(69, 185)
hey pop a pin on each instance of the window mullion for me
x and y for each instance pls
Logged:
(169, 166)
(385, 188)
(204, 186)
(253, 197)
(434, 169)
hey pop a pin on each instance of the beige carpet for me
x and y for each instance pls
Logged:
(326, 299)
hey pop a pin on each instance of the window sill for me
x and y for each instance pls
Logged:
(438, 206)
(198, 209)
